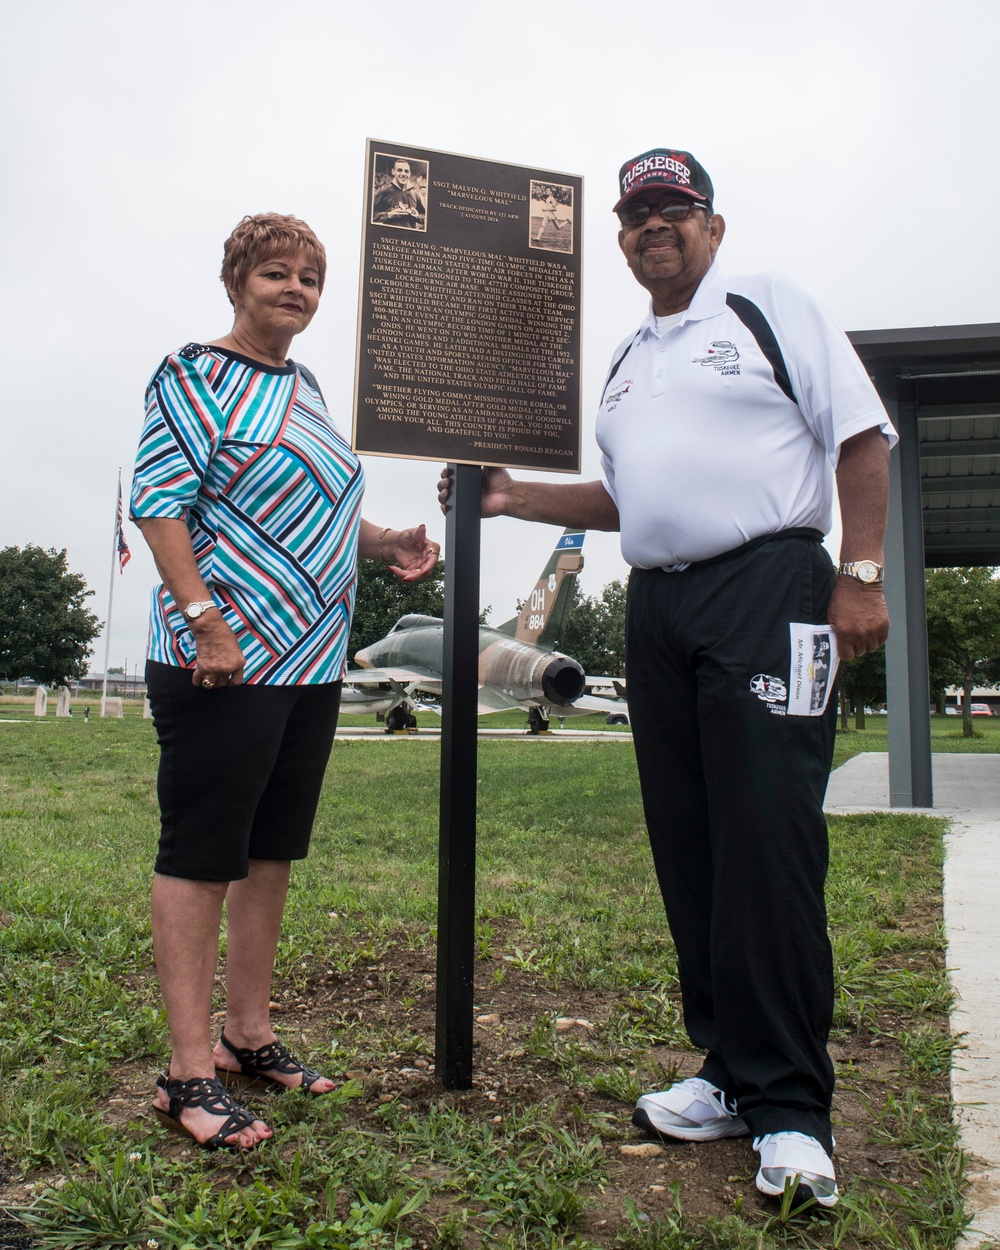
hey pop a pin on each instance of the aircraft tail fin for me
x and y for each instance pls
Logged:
(541, 619)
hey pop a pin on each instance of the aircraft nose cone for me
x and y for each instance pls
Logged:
(562, 681)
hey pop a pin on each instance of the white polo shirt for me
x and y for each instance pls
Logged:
(702, 450)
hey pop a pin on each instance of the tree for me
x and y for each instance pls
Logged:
(45, 631)
(963, 630)
(594, 633)
(940, 674)
(383, 598)
(862, 682)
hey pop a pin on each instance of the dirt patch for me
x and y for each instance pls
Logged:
(12, 1234)
(520, 1044)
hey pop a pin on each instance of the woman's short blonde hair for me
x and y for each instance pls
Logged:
(262, 236)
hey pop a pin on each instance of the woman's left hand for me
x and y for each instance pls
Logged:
(413, 553)
(410, 554)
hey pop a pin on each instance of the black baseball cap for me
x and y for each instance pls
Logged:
(668, 168)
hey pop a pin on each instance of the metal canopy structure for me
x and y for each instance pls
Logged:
(941, 387)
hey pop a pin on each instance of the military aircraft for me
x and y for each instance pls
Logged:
(518, 664)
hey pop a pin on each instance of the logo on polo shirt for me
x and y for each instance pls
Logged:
(618, 394)
(720, 355)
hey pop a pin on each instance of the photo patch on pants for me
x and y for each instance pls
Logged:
(814, 667)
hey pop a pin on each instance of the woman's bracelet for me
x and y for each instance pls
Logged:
(381, 536)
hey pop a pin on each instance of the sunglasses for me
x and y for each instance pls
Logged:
(637, 212)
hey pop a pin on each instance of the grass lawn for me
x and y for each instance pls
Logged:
(946, 736)
(570, 930)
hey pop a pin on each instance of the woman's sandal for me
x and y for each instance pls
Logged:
(257, 1064)
(208, 1094)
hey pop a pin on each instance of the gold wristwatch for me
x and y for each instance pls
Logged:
(866, 571)
(194, 610)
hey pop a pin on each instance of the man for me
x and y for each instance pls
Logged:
(725, 421)
(398, 204)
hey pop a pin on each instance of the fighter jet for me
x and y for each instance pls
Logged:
(518, 664)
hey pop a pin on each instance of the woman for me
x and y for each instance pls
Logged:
(250, 502)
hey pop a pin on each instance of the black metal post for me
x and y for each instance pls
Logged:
(459, 741)
(906, 659)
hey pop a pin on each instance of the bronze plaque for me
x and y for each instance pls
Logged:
(469, 326)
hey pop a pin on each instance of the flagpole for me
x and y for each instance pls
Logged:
(111, 592)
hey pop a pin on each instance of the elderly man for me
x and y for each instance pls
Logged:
(725, 422)
(398, 204)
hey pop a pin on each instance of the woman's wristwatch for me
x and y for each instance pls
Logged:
(866, 571)
(194, 610)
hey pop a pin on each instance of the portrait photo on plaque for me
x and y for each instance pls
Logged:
(550, 221)
(399, 192)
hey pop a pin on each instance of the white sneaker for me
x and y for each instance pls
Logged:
(691, 1110)
(798, 1161)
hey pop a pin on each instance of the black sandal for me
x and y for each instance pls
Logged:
(256, 1064)
(209, 1094)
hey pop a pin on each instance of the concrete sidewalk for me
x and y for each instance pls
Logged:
(967, 791)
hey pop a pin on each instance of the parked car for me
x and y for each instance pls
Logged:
(981, 709)
(619, 716)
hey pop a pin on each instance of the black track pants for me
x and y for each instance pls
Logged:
(733, 792)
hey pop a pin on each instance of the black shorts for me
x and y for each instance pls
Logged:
(241, 771)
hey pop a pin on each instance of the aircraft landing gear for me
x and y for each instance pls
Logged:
(399, 719)
(538, 722)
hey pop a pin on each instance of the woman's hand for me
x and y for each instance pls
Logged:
(415, 555)
(220, 660)
(410, 554)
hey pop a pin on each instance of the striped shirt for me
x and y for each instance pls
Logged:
(271, 494)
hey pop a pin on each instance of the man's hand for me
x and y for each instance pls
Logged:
(857, 612)
(569, 504)
(498, 491)
(498, 488)
(859, 617)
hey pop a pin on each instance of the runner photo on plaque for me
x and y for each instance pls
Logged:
(551, 217)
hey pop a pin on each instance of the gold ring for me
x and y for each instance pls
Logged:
(208, 683)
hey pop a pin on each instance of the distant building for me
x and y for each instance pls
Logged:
(120, 685)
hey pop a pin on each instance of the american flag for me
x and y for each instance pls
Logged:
(124, 555)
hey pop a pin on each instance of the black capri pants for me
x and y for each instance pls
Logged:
(241, 770)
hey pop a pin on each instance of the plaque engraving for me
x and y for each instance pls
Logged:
(469, 323)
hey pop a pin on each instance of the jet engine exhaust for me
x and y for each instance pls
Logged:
(524, 672)
(563, 681)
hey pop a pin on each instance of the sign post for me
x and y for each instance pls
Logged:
(468, 352)
(459, 740)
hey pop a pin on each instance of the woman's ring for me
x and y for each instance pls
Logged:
(208, 682)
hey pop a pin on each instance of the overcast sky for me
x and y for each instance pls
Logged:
(851, 145)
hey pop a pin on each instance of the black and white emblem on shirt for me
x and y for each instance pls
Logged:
(720, 353)
(769, 689)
